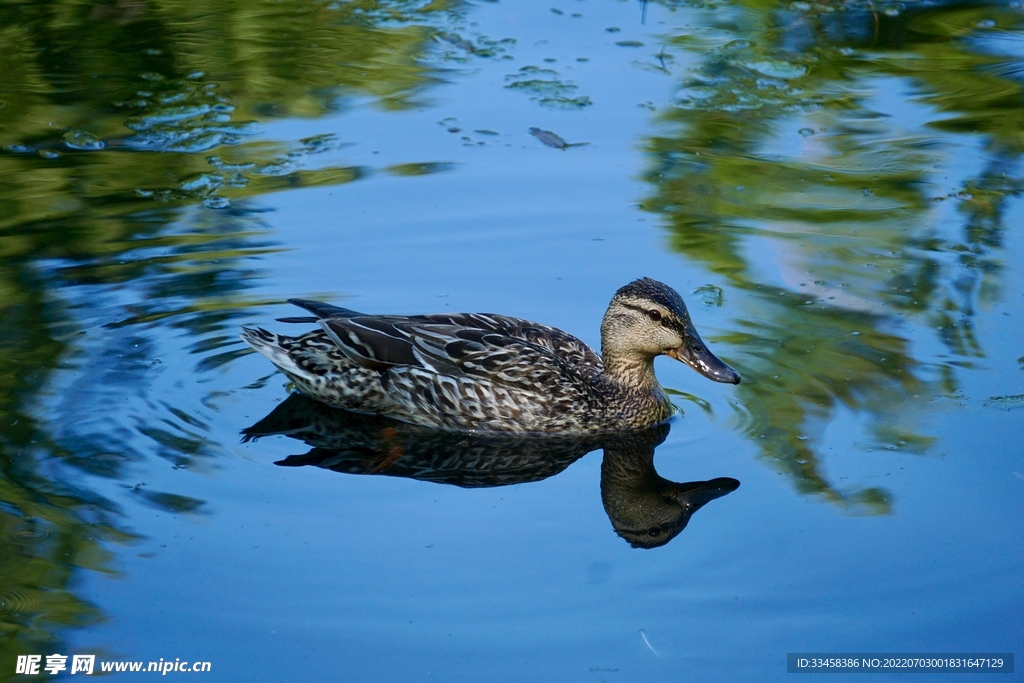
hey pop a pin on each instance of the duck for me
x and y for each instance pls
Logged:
(484, 372)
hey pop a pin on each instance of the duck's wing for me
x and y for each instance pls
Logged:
(500, 349)
(561, 344)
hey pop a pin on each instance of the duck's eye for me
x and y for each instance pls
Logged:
(654, 315)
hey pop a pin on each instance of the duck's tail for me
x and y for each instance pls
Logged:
(275, 348)
(319, 310)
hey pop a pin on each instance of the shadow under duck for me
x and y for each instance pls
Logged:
(486, 372)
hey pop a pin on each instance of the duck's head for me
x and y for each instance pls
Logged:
(647, 318)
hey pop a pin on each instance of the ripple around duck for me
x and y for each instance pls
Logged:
(751, 418)
(18, 601)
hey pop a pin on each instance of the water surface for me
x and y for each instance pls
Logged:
(835, 188)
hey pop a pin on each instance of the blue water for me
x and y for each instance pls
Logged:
(851, 244)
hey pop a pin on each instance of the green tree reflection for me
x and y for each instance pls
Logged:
(819, 137)
(119, 120)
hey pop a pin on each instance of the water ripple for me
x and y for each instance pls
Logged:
(19, 601)
(26, 534)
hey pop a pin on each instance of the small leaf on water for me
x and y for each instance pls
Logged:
(548, 138)
(553, 140)
(422, 168)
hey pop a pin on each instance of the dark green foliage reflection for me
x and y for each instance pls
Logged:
(119, 122)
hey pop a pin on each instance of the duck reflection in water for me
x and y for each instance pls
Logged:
(645, 509)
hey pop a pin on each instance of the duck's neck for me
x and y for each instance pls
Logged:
(633, 372)
(639, 399)
(629, 370)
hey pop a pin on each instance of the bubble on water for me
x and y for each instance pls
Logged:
(696, 92)
(274, 169)
(806, 131)
(893, 10)
(199, 142)
(319, 143)
(201, 182)
(84, 140)
(49, 154)
(855, 333)
(777, 68)
(17, 148)
(216, 202)
(219, 163)
(986, 23)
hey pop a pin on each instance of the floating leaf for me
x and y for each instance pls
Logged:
(425, 168)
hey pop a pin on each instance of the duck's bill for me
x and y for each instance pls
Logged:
(695, 354)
